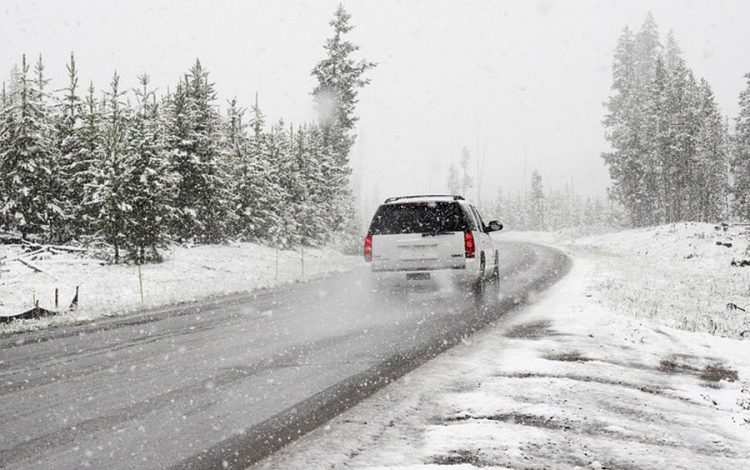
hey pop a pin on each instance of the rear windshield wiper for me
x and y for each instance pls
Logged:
(436, 233)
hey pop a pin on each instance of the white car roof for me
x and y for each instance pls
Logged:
(425, 198)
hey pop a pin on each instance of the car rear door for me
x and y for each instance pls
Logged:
(417, 236)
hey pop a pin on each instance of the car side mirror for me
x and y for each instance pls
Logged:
(494, 226)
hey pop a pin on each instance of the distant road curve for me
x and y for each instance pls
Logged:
(223, 383)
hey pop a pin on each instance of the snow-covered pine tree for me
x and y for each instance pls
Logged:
(306, 182)
(339, 78)
(631, 120)
(622, 160)
(28, 158)
(204, 198)
(149, 186)
(306, 179)
(235, 148)
(281, 155)
(69, 123)
(741, 156)
(682, 105)
(258, 193)
(55, 196)
(712, 152)
(536, 202)
(327, 185)
(658, 117)
(107, 192)
(185, 225)
(655, 162)
(647, 48)
(4, 111)
(82, 172)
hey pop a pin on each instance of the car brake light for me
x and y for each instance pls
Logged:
(368, 248)
(469, 246)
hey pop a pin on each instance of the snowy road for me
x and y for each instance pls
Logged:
(227, 382)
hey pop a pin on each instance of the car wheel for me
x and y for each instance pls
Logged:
(496, 269)
(480, 285)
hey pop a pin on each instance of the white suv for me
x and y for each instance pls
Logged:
(432, 240)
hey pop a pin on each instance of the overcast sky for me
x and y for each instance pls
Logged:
(515, 80)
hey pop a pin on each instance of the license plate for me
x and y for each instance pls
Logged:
(418, 277)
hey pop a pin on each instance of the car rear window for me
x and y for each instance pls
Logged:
(418, 217)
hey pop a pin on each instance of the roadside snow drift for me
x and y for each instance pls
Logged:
(187, 274)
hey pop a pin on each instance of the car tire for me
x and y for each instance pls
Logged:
(496, 270)
(480, 285)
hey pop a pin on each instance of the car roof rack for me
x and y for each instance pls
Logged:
(455, 197)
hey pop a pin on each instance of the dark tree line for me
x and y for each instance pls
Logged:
(133, 170)
(672, 157)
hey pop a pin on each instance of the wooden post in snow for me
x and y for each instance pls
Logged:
(57, 297)
(140, 280)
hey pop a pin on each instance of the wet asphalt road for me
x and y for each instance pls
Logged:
(228, 381)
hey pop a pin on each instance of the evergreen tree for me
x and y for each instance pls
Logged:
(203, 198)
(69, 124)
(311, 207)
(107, 193)
(84, 167)
(536, 202)
(623, 123)
(682, 104)
(339, 78)
(4, 118)
(149, 182)
(47, 138)
(281, 155)
(741, 156)
(647, 49)
(236, 152)
(659, 166)
(28, 160)
(258, 190)
(668, 151)
(328, 188)
(712, 158)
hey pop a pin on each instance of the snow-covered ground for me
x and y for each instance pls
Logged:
(579, 379)
(187, 274)
(680, 275)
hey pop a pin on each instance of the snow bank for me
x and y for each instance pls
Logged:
(680, 275)
(187, 274)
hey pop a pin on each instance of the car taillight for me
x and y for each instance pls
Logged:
(469, 246)
(368, 248)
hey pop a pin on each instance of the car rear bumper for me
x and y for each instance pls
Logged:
(426, 280)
